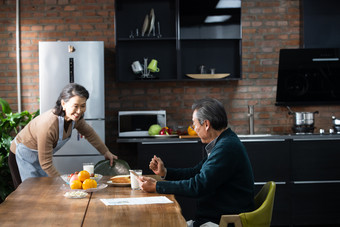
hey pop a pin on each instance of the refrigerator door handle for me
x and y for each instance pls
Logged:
(71, 67)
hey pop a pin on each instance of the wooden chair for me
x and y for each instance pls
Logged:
(261, 216)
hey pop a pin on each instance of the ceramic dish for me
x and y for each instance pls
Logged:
(118, 184)
(99, 187)
(152, 21)
(76, 194)
(208, 76)
(145, 25)
(66, 177)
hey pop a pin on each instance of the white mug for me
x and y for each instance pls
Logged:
(136, 67)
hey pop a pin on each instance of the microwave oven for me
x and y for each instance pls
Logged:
(137, 123)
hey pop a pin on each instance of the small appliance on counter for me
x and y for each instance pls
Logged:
(303, 121)
(336, 124)
(137, 123)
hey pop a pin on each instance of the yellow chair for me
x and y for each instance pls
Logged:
(261, 216)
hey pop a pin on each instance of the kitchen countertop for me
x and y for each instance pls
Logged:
(243, 138)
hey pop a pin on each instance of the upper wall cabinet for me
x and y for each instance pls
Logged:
(178, 40)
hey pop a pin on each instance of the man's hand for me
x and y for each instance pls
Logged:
(147, 184)
(157, 166)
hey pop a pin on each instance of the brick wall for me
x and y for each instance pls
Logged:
(267, 27)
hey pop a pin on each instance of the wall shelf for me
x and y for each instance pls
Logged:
(181, 43)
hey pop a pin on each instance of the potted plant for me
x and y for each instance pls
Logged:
(10, 123)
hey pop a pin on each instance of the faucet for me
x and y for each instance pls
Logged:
(251, 119)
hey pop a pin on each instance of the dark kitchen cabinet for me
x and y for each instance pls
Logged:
(306, 172)
(174, 155)
(183, 40)
(270, 161)
(315, 182)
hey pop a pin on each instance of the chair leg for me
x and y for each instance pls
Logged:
(226, 219)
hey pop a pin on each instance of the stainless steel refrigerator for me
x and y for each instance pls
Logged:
(80, 62)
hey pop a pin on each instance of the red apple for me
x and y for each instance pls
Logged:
(74, 177)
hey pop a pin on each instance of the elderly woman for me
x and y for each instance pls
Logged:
(223, 182)
(33, 148)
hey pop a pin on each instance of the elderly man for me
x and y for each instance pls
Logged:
(223, 182)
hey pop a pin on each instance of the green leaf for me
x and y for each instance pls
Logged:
(10, 123)
(5, 106)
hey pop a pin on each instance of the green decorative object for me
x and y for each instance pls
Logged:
(10, 124)
(119, 167)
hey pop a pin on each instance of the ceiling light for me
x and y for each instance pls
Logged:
(225, 4)
(217, 19)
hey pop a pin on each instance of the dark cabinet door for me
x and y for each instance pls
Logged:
(316, 160)
(270, 161)
(174, 155)
(316, 182)
(316, 204)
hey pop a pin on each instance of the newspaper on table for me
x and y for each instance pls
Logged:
(136, 201)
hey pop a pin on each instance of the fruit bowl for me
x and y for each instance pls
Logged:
(66, 188)
(67, 177)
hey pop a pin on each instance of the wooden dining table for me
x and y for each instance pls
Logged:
(41, 202)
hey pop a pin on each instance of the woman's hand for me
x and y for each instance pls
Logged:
(157, 166)
(109, 156)
(147, 184)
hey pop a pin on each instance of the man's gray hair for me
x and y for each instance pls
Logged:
(212, 110)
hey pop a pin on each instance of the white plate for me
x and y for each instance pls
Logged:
(66, 177)
(119, 184)
(99, 187)
(152, 21)
(145, 25)
(165, 136)
(76, 194)
(66, 187)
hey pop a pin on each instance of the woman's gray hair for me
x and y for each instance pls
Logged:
(212, 110)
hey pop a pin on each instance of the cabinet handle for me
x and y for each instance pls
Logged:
(317, 138)
(262, 140)
(317, 182)
(167, 142)
(263, 183)
(325, 59)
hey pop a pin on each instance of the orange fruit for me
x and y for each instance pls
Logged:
(76, 184)
(89, 183)
(83, 175)
(191, 131)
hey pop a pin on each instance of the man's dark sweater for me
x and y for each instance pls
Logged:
(223, 182)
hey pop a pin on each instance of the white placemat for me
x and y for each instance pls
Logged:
(136, 201)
